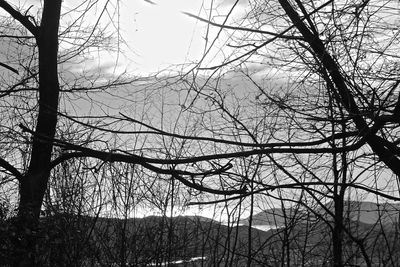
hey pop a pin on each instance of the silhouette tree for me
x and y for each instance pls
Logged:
(31, 102)
(312, 88)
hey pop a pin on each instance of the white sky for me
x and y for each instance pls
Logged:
(157, 35)
(160, 35)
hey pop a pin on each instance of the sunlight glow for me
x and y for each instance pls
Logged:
(160, 34)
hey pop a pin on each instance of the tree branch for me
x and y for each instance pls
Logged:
(7, 166)
(132, 158)
(9, 67)
(177, 174)
(229, 142)
(296, 186)
(223, 26)
(24, 20)
(346, 97)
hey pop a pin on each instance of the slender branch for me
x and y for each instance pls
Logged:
(9, 67)
(210, 190)
(223, 26)
(229, 142)
(256, 47)
(16, 36)
(270, 188)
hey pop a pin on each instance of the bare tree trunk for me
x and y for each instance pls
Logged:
(337, 234)
(33, 185)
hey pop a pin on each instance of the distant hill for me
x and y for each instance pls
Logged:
(274, 218)
(370, 212)
(356, 211)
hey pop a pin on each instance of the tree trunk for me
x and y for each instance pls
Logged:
(337, 234)
(33, 185)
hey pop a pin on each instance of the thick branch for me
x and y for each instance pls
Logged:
(177, 174)
(132, 158)
(7, 166)
(346, 97)
(24, 20)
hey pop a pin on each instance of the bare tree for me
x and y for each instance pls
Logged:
(41, 100)
(304, 101)
(312, 88)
